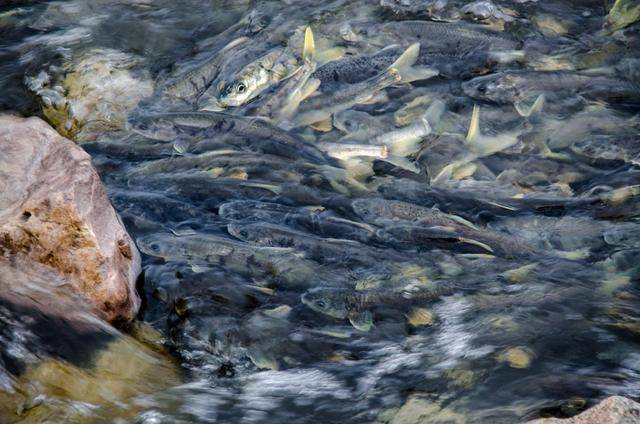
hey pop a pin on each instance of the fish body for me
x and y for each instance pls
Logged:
(356, 305)
(321, 107)
(443, 36)
(450, 64)
(273, 235)
(608, 150)
(516, 86)
(185, 247)
(254, 132)
(347, 151)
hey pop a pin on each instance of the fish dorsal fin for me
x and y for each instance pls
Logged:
(362, 321)
(474, 126)
(309, 47)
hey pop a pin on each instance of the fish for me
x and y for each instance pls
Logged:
(421, 236)
(404, 141)
(284, 102)
(321, 107)
(191, 84)
(254, 210)
(355, 305)
(608, 150)
(443, 36)
(250, 132)
(475, 146)
(207, 248)
(449, 64)
(315, 248)
(256, 77)
(515, 87)
(347, 151)
(283, 265)
(375, 209)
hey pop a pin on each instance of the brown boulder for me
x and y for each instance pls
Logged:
(55, 211)
(612, 410)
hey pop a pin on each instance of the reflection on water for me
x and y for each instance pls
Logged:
(410, 211)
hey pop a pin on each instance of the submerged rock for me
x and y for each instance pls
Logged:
(93, 95)
(54, 211)
(612, 410)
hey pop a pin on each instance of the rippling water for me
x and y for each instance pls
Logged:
(463, 271)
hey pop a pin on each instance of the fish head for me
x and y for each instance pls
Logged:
(369, 210)
(154, 127)
(240, 231)
(150, 246)
(243, 87)
(326, 301)
(498, 88)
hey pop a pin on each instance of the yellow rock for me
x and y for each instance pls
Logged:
(461, 378)
(517, 357)
(420, 316)
(126, 368)
(550, 25)
(417, 411)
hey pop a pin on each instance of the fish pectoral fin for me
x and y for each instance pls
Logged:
(464, 170)
(362, 321)
(408, 72)
(474, 126)
(476, 243)
(324, 126)
(527, 111)
(462, 221)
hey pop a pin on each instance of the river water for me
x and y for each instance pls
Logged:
(451, 273)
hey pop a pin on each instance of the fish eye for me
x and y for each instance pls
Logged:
(320, 303)
(482, 88)
(241, 88)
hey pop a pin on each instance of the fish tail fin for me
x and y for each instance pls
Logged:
(535, 109)
(402, 162)
(507, 56)
(434, 112)
(309, 48)
(408, 145)
(408, 72)
(389, 77)
(294, 101)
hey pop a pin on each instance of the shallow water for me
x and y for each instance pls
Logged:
(534, 267)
